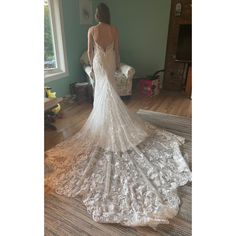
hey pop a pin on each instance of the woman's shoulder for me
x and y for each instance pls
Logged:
(91, 29)
(94, 27)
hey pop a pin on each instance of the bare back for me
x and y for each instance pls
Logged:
(103, 35)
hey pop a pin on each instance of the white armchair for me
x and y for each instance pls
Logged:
(123, 78)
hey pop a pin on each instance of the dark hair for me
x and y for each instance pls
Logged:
(103, 13)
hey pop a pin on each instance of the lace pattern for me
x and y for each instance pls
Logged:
(125, 170)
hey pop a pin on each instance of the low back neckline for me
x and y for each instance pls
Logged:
(104, 50)
(110, 44)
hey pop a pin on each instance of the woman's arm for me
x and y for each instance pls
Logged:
(90, 47)
(117, 49)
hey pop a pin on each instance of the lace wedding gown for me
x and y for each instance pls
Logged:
(125, 170)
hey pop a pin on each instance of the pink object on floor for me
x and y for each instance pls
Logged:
(149, 87)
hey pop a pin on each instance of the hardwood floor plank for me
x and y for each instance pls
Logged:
(72, 211)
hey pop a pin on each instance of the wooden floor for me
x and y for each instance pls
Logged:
(75, 218)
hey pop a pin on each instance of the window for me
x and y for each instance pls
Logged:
(55, 63)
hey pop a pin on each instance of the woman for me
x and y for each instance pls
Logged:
(125, 170)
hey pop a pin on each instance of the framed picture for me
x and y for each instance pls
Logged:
(86, 12)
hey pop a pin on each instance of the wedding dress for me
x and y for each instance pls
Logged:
(125, 170)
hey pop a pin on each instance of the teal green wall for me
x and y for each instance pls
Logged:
(143, 28)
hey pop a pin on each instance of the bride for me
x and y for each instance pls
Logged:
(125, 170)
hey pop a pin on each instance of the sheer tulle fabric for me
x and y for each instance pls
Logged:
(125, 170)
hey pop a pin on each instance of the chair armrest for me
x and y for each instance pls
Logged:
(127, 70)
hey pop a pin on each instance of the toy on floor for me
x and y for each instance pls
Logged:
(50, 94)
(50, 115)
